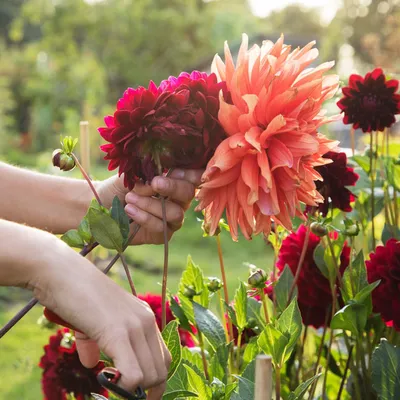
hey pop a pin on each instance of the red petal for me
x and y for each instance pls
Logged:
(53, 317)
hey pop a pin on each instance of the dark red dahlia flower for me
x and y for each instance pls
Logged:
(337, 175)
(177, 121)
(64, 374)
(154, 301)
(314, 294)
(384, 265)
(370, 103)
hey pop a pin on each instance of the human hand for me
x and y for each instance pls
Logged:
(146, 210)
(112, 320)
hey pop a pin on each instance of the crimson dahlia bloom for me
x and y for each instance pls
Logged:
(384, 265)
(177, 120)
(314, 293)
(370, 102)
(336, 176)
(154, 301)
(63, 373)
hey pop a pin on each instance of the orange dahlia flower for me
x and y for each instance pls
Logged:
(265, 167)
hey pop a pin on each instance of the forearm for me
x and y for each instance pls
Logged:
(52, 203)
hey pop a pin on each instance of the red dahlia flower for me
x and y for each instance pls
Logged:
(384, 265)
(154, 301)
(370, 103)
(314, 293)
(177, 121)
(336, 177)
(64, 374)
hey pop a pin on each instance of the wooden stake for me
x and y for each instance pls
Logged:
(85, 146)
(263, 386)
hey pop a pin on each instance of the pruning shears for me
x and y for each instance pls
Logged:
(108, 378)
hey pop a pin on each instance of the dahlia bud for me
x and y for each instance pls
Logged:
(206, 229)
(218, 389)
(214, 284)
(63, 160)
(189, 292)
(68, 340)
(352, 228)
(251, 323)
(257, 279)
(318, 229)
(368, 152)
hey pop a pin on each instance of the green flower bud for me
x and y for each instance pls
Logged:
(318, 229)
(257, 279)
(189, 292)
(43, 322)
(251, 323)
(62, 160)
(368, 152)
(206, 229)
(214, 284)
(352, 228)
(218, 389)
(68, 340)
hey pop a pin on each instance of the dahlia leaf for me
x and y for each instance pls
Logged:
(254, 311)
(290, 324)
(219, 363)
(390, 232)
(365, 292)
(385, 371)
(119, 215)
(179, 314)
(198, 384)
(301, 390)
(319, 254)
(105, 230)
(363, 162)
(250, 371)
(283, 287)
(84, 230)
(231, 312)
(172, 340)
(229, 389)
(246, 388)
(273, 342)
(209, 325)
(240, 302)
(178, 394)
(251, 351)
(351, 317)
(73, 239)
(354, 278)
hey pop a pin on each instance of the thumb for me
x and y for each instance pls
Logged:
(88, 350)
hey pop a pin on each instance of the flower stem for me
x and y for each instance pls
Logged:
(337, 268)
(264, 303)
(87, 178)
(225, 284)
(303, 342)
(345, 373)
(203, 354)
(277, 383)
(224, 322)
(301, 261)
(238, 348)
(372, 177)
(128, 274)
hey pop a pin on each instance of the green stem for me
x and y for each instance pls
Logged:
(301, 353)
(277, 383)
(335, 261)
(351, 265)
(223, 317)
(128, 274)
(372, 176)
(238, 349)
(264, 303)
(203, 354)
(361, 355)
(349, 359)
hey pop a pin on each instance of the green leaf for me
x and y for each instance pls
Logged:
(250, 352)
(273, 342)
(179, 314)
(240, 302)
(105, 230)
(246, 388)
(363, 162)
(385, 371)
(390, 232)
(73, 239)
(95, 204)
(331, 260)
(172, 340)
(290, 323)
(192, 277)
(393, 173)
(219, 363)
(178, 381)
(351, 317)
(84, 230)
(198, 385)
(250, 371)
(282, 288)
(255, 311)
(354, 278)
(209, 325)
(301, 390)
(319, 254)
(231, 312)
(365, 292)
(119, 215)
(193, 359)
(178, 394)
(229, 389)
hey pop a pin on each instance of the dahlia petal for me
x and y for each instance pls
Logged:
(376, 73)
(250, 173)
(242, 194)
(273, 127)
(253, 137)
(263, 162)
(268, 202)
(354, 80)
(279, 155)
(300, 145)
(228, 117)
(222, 178)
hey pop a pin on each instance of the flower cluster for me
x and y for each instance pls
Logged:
(63, 373)
(175, 123)
(154, 301)
(370, 102)
(336, 176)
(314, 293)
(384, 265)
(266, 166)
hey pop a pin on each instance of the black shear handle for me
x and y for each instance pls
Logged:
(109, 377)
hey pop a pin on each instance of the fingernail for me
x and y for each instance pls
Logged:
(178, 174)
(131, 210)
(161, 183)
(131, 197)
